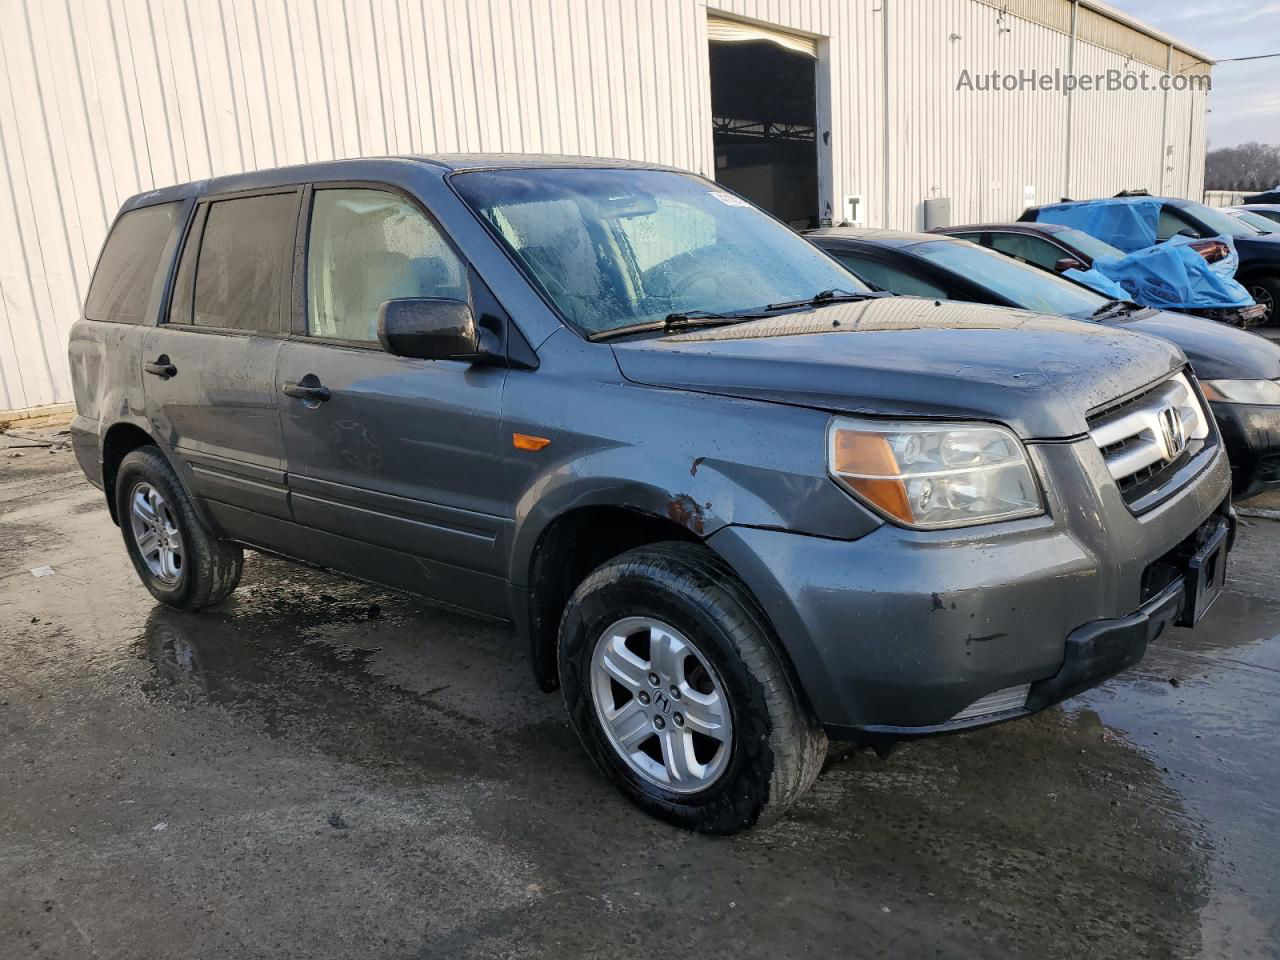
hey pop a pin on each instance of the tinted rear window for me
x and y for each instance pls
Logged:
(126, 274)
(244, 264)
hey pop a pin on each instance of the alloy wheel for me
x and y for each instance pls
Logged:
(156, 533)
(1263, 297)
(662, 706)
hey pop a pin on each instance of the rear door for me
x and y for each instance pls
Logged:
(397, 471)
(209, 370)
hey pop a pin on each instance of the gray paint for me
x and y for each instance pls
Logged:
(407, 476)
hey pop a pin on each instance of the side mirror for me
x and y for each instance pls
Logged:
(428, 328)
(1187, 232)
(1068, 263)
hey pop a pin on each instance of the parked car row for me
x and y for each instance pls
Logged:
(735, 501)
(1239, 371)
(1060, 249)
(1259, 267)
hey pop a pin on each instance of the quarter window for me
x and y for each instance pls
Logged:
(367, 247)
(244, 263)
(125, 278)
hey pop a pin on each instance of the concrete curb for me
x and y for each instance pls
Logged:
(1258, 513)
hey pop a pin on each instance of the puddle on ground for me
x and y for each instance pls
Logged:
(1204, 705)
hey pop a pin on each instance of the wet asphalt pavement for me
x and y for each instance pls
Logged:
(321, 769)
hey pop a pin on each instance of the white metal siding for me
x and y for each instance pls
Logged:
(107, 98)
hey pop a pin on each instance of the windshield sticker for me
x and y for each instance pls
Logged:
(728, 199)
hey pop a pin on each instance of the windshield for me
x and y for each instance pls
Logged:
(612, 248)
(1217, 221)
(1257, 221)
(1089, 245)
(1028, 287)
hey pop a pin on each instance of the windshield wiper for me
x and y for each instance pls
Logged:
(824, 297)
(707, 318)
(677, 321)
(1113, 307)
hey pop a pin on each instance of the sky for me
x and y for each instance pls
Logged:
(1245, 102)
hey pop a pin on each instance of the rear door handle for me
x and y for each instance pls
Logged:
(161, 367)
(308, 389)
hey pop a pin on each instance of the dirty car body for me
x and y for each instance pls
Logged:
(639, 419)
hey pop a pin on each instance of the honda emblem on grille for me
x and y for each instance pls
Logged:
(1175, 441)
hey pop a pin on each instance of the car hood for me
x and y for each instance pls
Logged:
(1216, 351)
(906, 356)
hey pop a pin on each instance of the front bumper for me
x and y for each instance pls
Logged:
(1252, 315)
(897, 633)
(1251, 434)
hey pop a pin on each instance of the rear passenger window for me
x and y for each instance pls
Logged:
(126, 275)
(244, 265)
(367, 247)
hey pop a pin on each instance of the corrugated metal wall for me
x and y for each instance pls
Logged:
(106, 98)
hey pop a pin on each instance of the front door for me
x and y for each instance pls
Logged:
(210, 369)
(394, 463)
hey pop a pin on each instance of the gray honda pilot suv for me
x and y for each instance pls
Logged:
(734, 502)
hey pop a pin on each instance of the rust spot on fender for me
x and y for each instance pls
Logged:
(687, 512)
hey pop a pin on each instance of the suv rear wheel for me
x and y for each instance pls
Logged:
(673, 685)
(177, 558)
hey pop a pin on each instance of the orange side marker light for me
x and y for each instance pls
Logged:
(523, 441)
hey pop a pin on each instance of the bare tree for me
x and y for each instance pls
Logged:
(1250, 166)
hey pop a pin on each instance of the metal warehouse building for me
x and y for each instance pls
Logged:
(821, 110)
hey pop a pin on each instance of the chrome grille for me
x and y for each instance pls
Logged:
(1141, 439)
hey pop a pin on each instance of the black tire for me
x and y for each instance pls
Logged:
(1266, 290)
(777, 749)
(210, 568)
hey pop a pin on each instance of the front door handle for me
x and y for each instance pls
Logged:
(161, 367)
(308, 388)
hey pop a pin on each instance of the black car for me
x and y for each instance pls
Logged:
(1239, 371)
(1054, 247)
(1259, 269)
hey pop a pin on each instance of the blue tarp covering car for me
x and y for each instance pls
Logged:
(1169, 275)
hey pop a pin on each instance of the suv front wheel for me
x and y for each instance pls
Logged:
(674, 687)
(177, 558)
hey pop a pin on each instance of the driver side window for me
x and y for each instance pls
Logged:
(366, 247)
(1170, 225)
(890, 278)
(1033, 250)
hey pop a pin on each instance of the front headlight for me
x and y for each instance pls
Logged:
(1242, 391)
(932, 475)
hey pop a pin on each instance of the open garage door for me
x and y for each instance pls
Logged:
(764, 117)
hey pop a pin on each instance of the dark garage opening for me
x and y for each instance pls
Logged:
(764, 117)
